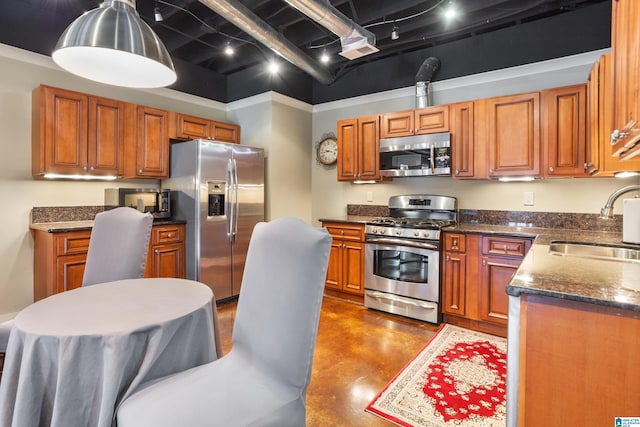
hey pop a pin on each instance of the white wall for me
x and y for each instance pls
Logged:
(282, 126)
(577, 195)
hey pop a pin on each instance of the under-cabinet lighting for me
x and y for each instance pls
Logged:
(626, 174)
(80, 177)
(516, 179)
(364, 182)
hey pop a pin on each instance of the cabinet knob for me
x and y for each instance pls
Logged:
(484, 262)
(169, 235)
(84, 168)
(447, 258)
(457, 172)
(550, 168)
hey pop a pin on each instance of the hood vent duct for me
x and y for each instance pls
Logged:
(423, 81)
(356, 41)
(240, 16)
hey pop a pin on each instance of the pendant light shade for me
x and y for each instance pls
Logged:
(112, 45)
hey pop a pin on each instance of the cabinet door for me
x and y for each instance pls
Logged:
(190, 127)
(592, 157)
(106, 139)
(352, 265)
(625, 45)
(431, 119)
(347, 149)
(225, 132)
(152, 153)
(167, 260)
(462, 139)
(513, 135)
(70, 272)
(564, 136)
(396, 124)
(368, 148)
(334, 269)
(454, 283)
(61, 142)
(496, 275)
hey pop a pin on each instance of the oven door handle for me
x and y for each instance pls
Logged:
(402, 242)
(392, 298)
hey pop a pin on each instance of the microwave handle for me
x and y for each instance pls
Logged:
(432, 159)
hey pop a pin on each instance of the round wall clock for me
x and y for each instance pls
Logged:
(327, 152)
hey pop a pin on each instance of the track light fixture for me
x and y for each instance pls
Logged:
(228, 50)
(157, 14)
(395, 35)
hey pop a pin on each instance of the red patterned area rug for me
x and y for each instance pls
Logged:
(457, 379)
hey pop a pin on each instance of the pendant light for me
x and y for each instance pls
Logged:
(113, 45)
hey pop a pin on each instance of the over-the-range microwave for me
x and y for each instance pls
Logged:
(418, 155)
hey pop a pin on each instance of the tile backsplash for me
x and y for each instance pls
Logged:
(577, 221)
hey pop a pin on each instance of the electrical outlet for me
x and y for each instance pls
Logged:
(369, 196)
(527, 199)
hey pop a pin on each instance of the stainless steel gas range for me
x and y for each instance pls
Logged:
(402, 256)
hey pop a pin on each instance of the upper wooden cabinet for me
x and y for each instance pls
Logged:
(564, 118)
(74, 133)
(625, 48)
(149, 157)
(191, 127)
(358, 149)
(415, 122)
(511, 134)
(463, 155)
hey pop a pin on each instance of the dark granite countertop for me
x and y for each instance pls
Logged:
(596, 281)
(64, 226)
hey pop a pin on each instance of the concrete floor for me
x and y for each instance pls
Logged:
(358, 351)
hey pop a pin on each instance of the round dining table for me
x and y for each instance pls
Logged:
(73, 357)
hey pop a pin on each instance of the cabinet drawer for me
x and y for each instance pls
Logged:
(73, 243)
(354, 233)
(167, 234)
(455, 242)
(510, 246)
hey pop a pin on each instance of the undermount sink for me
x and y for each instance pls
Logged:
(592, 250)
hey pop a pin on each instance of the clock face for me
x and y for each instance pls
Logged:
(328, 151)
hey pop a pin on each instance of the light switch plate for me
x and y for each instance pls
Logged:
(528, 198)
(369, 196)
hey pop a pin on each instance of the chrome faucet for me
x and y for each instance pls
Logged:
(607, 211)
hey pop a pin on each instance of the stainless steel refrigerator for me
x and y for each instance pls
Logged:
(218, 188)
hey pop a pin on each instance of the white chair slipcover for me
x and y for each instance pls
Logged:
(118, 246)
(263, 380)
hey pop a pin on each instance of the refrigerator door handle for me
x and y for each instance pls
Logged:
(236, 202)
(230, 208)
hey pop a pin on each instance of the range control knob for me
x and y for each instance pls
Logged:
(398, 232)
(416, 233)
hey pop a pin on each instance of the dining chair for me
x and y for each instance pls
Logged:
(118, 246)
(118, 249)
(263, 380)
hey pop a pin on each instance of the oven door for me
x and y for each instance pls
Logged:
(402, 270)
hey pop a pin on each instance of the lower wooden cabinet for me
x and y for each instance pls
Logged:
(345, 273)
(59, 258)
(476, 270)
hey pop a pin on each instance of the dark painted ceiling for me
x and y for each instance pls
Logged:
(196, 38)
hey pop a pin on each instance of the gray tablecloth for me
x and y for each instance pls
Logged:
(73, 357)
